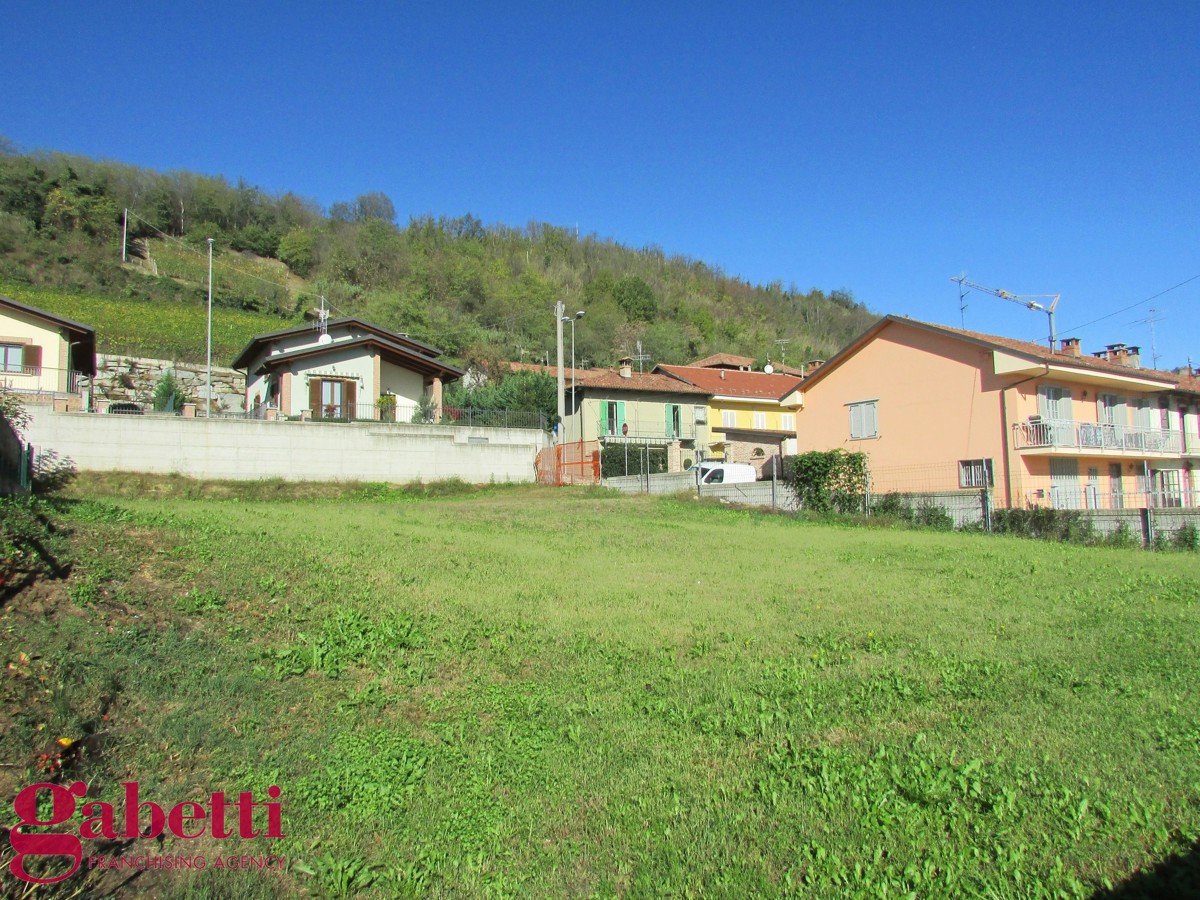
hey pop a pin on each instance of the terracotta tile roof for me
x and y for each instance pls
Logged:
(1044, 353)
(756, 385)
(1039, 352)
(609, 380)
(724, 360)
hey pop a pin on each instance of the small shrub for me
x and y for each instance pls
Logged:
(168, 393)
(1122, 537)
(929, 514)
(1186, 537)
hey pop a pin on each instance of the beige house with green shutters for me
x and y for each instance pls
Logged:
(643, 410)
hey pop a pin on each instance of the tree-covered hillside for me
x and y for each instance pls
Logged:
(480, 291)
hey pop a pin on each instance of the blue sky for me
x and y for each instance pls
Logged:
(881, 148)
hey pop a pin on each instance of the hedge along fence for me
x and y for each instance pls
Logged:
(614, 456)
(836, 481)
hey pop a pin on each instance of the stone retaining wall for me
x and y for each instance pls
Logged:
(133, 379)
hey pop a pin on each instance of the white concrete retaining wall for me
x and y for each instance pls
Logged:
(754, 493)
(295, 451)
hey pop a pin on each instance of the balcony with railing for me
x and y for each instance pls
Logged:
(43, 380)
(651, 430)
(1101, 438)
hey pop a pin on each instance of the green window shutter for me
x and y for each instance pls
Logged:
(620, 415)
(602, 429)
(667, 426)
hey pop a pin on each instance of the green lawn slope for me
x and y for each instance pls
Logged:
(158, 329)
(540, 693)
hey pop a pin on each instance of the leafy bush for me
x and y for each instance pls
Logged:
(1186, 537)
(829, 481)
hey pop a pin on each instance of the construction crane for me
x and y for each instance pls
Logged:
(1029, 301)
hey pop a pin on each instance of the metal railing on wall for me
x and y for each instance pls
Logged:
(1071, 433)
(415, 414)
(43, 380)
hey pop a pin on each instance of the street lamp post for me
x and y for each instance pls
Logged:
(559, 309)
(578, 315)
(208, 379)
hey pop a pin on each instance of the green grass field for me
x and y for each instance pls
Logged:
(524, 692)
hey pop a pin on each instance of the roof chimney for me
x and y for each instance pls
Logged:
(811, 366)
(1133, 357)
(1070, 347)
(626, 366)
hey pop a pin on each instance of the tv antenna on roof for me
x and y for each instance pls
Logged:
(640, 357)
(1029, 301)
(323, 323)
(782, 345)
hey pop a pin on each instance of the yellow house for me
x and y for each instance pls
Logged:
(751, 415)
(43, 354)
(940, 409)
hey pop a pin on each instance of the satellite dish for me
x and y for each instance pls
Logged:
(768, 368)
(325, 339)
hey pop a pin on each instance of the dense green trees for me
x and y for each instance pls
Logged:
(470, 288)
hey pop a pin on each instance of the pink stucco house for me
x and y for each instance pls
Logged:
(937, 408)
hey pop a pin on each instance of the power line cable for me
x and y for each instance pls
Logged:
(1130, 306)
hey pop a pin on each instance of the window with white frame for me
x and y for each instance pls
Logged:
(760, 421)
(728, 419)
(864, 420)
(701, 415)
(975, 473)
(787, 422)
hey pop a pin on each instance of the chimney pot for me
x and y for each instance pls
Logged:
(1070, 347)
(626, 367)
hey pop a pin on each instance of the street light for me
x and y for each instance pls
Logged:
(578, 315)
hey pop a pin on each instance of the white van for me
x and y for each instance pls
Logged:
(725, 473)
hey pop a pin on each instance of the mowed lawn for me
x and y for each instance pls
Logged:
(555, 693)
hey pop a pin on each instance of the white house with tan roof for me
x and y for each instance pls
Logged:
(353, 371)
